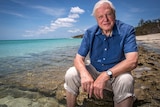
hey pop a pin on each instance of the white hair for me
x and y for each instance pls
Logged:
(99, 3)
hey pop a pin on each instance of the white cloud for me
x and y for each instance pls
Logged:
(58, 23)
(73, 15)
(77, 10)
(75, 31)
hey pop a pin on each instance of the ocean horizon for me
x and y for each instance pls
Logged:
(28, 46)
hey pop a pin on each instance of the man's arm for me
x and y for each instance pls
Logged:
(124, 66)
(86, 79)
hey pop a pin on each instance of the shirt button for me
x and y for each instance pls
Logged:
(104, 39)
(104, 58)
(102, 64)
(105, 49)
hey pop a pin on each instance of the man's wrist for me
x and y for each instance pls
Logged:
(109, 73)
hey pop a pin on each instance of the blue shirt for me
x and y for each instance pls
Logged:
(105, 52)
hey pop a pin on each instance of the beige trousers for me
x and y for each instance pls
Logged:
(122, 86)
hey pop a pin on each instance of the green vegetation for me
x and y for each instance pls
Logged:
(148, 27)
(78, 36)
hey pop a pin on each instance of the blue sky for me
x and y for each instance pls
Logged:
(44, 19)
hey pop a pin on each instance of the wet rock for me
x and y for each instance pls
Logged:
(3, 105)
(107, 101)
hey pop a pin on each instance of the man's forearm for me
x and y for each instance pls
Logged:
(126, 65)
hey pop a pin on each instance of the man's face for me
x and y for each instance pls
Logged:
(105, 17)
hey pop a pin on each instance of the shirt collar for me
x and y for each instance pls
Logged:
(99, 32)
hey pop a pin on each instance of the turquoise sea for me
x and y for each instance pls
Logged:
(22, 55)
(31, 69)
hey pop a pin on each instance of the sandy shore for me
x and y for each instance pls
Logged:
(45, 88)
(149, 38)
(151, 41)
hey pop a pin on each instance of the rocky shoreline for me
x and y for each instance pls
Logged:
(147, 87)
(45, 88)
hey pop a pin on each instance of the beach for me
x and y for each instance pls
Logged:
(40, 84)
(150, 42)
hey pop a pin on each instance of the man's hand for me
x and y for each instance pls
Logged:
(87, 83)
(99, 85)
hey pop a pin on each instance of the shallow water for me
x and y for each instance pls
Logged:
(27, 47)
(150, 46)
(18, 56)
(20, 60)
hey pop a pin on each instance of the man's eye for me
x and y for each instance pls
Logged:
(100, 17)
(109, 14)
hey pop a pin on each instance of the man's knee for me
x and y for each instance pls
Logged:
(72, 81)
(123, 87)
(125, 80)
(70, 73)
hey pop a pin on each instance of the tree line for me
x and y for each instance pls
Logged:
(148, 27)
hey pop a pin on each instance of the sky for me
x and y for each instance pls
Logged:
(47, 19)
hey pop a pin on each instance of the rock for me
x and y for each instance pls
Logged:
(107, 101)
(3, 105)
(15, 102)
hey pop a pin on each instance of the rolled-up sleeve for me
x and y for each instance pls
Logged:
(130, 44)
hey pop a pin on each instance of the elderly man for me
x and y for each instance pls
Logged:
(112, 49)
